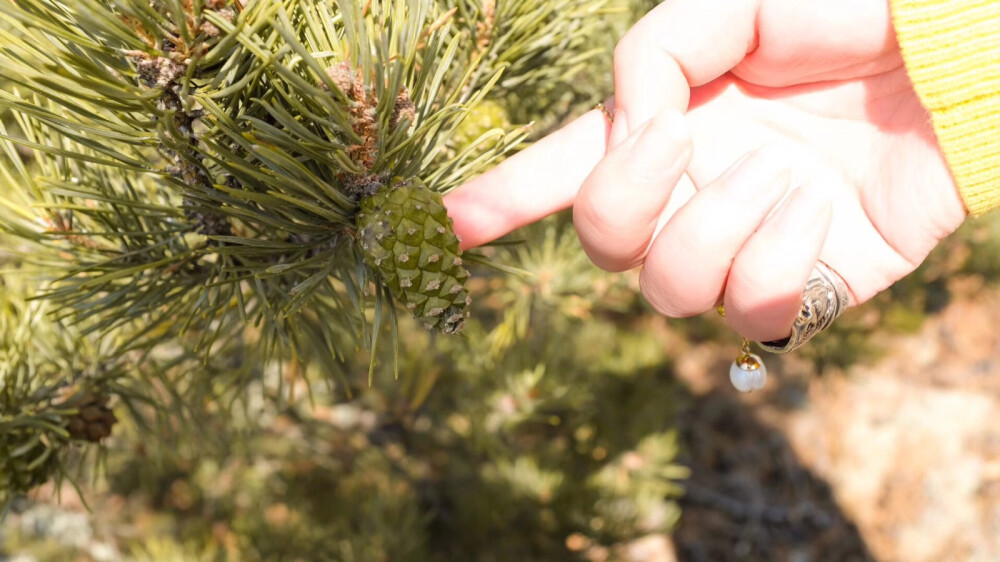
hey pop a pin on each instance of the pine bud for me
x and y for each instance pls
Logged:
(344, 78)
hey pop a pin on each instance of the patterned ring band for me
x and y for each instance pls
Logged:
(823, 300)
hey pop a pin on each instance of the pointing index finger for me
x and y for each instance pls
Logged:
(534, 183)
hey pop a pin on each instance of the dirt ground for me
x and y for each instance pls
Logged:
(896, 459)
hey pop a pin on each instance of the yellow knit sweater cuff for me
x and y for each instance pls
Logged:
(952, 54)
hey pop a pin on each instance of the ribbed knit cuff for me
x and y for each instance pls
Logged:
(952, 54)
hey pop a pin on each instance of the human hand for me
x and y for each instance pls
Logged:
(721, 107)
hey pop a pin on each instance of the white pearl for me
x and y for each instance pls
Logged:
(746, 378)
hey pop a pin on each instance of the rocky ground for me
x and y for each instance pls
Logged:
(896, 459)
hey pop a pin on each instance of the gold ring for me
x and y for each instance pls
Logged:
(604, 110)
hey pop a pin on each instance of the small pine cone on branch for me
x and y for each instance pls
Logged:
(93, 420)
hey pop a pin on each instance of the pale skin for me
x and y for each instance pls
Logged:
(750, 138)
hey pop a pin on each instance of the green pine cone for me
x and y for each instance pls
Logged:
(406, 236)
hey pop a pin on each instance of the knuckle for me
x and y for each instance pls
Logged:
(748, 290)
(759, 309)
(604, 239)
(628, 48)
(766, 160)
(659, 294)
(771, 152)
(624, 50)
(601, 220)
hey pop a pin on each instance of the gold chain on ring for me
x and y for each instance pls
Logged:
(747, 373)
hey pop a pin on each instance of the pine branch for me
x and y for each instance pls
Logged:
(200, 164)
(53, 397)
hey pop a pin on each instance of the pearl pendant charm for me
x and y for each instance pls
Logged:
(748, 373)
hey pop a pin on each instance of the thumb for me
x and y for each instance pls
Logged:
(534, 183)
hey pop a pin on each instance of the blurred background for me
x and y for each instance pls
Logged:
(568, 422)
